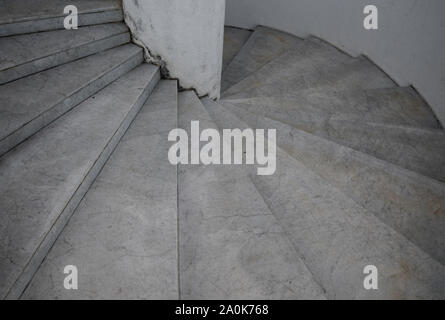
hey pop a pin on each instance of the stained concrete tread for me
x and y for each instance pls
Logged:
(337, 238)
(30, 103)
(418, 149)
(127, 221)
(44, 178)
(231, 248)
(263, 45)
(314, 64)
(234, 40)
(28, 16)
(410, 203)
(53, 48)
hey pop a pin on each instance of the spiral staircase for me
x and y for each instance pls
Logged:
(86, 180)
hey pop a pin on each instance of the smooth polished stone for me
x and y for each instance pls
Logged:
(29, 104)
(231, 246)
(410, 203)
(53, 48)
(25, 16)
(263, 45)
(234, 40)
(45, 178)
(123, 235)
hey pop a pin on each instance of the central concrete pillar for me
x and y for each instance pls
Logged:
(186, 36)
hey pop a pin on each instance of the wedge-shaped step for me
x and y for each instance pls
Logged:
(418, 149)
(337, 238)
(263, 45)
(316, 65)
(30, 103)
(52, 48)
(234, 40)
(45, 178)
(231, 246)
(29, 16)
(400, 106)
(410, 203)
(127, 221)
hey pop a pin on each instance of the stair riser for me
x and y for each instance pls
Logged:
(56, 23)
(59, 58)
(67, 104)
(39, 255)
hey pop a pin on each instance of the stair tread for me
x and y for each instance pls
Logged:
(263, 45)
(418, 149)
(29, 103)
(234, 40)
(337, 237)
(409, 202)
(231, 248)
(52, 48)
(25, 10)
(397, 106)
(45, 177)
(314, 65)
(127, 220)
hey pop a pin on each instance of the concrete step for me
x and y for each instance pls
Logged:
(127, 220)
(418, 149)
(262, 46)
(231, 246)
(396, 106)
(53, 48)
(45, 178)
(30, 103)
(410, 203)
(314, 65)
(29, 16)
(336, 237)
(234, 40)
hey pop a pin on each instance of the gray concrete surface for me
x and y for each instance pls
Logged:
(234, 40)
(231, 248)
(410, 203)
(262, 46)
(45, 178)
(52, 48)
(336, 237)
(186, 35)
(416, 148)
(123, 235)
(29, 104)
(294, 71)
(408, 44)
(24, 16)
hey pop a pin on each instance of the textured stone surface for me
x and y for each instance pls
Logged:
(234, 40)
(263, 45)
(44, 179)
(52, 48)
(414, 148)
(186, 36)
(315, 64)
(28, 104)
(337, 238)
(123, 235)
(231, 248)
(25, 16)
(410, 203)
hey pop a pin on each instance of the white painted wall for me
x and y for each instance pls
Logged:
(409, 45)
(186, 34)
